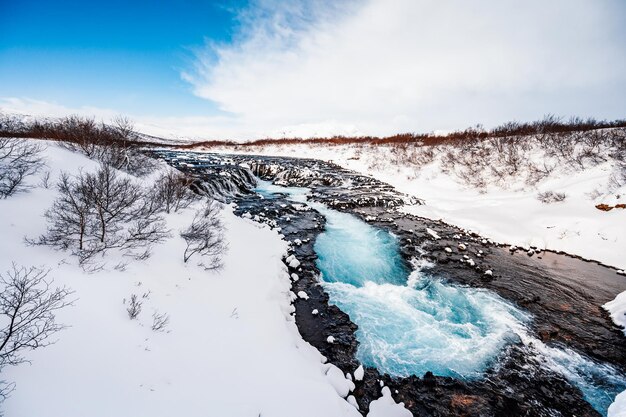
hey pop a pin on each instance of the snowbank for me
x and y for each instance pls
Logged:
(385, 406)
(230, 348)
(618, 408)
(617, 309)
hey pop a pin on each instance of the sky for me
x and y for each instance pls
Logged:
(244, 69)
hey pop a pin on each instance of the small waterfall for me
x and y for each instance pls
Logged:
(293, 175)
(224, 183)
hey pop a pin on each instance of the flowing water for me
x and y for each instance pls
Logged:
(411, 322)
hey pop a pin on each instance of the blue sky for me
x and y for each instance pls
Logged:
(242, 69)
(124, 55)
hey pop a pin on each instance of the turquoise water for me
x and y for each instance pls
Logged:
(410, 322)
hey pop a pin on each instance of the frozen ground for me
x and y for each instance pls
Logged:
(231, 348)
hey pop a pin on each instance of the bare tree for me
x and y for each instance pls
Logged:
(124, 128)
(28, 304)
(18, 160)
(113, 199)
(205, 236)
(69, 218)
(101, 211)
(172, 190)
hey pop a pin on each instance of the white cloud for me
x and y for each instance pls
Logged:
(384, 66)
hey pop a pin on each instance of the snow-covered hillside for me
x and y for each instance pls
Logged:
(231, 347)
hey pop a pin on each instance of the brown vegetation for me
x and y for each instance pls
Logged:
(548, 125)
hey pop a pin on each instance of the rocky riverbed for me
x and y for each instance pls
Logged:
(562, 293)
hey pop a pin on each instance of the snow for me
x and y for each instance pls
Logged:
(433, 233)
(618, 408)
(352, 401)
(342, 385)
(292, 261)
(385, 406)
(617, 309)
(330, 339)
(230, 332)
(359, 373)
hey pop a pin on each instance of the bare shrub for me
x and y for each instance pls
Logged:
(45, 180)
(172, 191)
(28, 303)
(100, 211)
(160, 321)
(550, 197)
(205, 236)
(19, 159)
(134, 307)
(114, 145)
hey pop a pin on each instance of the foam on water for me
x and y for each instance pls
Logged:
(410, 322)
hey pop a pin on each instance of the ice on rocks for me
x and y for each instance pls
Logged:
(303, 295)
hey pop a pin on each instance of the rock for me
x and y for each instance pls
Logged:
(462, 246)
(447, 249)
(604, 207)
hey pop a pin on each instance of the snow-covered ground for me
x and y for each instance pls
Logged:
(231, 347)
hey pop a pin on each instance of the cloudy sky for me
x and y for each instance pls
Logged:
(248, 69)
